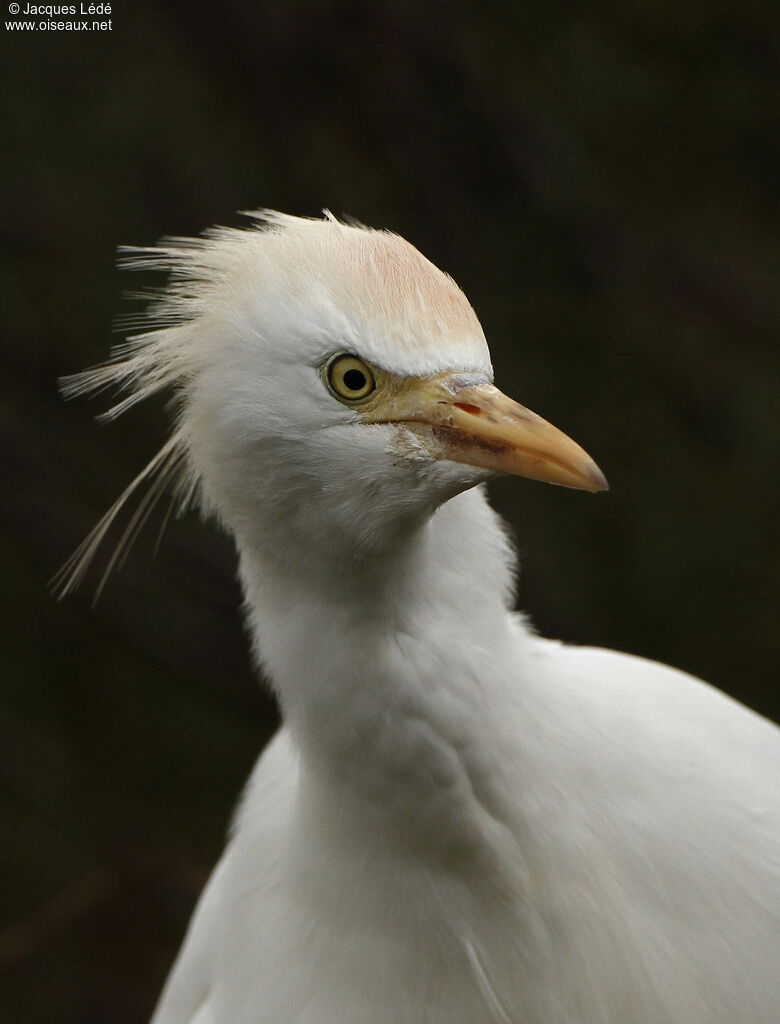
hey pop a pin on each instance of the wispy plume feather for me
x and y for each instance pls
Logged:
(158, 359)
(165, 469)
(162, 357)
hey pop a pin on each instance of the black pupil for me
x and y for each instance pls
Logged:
(354, 380)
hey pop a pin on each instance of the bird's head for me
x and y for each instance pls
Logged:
(327, 377)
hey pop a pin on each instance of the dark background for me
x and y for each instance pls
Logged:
(600, 178)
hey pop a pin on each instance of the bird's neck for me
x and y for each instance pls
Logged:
(390, 665)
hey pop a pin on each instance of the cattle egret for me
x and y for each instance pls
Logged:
(459, 822)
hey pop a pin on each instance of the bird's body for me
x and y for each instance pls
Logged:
(482, 825)
(460, 822)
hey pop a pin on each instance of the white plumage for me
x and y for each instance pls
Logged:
(459, 822)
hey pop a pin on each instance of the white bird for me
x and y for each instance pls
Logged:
(459, 822)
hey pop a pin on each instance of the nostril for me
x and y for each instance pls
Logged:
(472, 410)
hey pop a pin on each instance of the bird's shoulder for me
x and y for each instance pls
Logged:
(652, 700)
(662, 756)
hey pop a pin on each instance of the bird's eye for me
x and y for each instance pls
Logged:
(350, 379)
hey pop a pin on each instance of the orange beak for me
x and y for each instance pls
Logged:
(473, 422)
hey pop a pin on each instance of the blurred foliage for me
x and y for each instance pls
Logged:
(601, 179)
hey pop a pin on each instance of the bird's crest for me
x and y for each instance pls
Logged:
(161, 356)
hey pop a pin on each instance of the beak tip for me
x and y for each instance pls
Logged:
(597, 479)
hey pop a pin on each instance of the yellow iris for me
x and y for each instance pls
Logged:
(350, 379)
